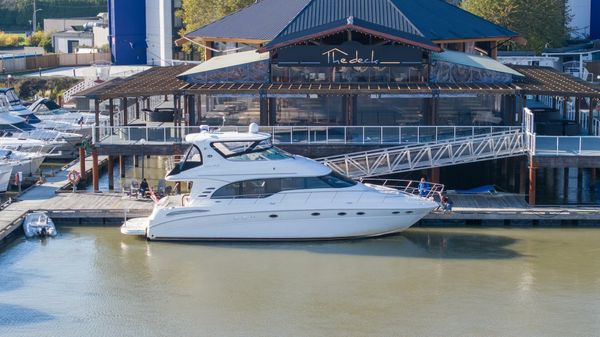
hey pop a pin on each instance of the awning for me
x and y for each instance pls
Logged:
(475, 61)
(225, 61)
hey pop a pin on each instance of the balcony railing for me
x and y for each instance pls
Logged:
(308, 135)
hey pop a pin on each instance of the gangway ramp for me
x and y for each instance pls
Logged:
(429, 155)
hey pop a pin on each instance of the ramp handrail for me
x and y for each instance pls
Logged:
(422, 156)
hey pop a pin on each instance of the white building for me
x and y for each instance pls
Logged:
(159, 32)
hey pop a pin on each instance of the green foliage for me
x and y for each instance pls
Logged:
(28, 88)
(543, 23)
(16, 14)
(46, 43)
(197, 13)
(10, 40)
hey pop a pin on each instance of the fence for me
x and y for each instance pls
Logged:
(356, 135)
(35, 62)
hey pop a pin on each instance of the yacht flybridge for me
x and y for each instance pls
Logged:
(246, 189)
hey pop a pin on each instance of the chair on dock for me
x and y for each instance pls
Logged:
(133, 190)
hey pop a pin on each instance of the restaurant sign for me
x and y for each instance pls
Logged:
(350, 54)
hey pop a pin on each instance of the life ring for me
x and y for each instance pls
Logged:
(74, 177)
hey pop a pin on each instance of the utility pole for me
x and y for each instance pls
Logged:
(34, 22)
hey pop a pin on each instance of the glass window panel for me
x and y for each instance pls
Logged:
(318, 110)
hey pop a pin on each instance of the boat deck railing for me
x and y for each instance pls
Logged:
(414, 187)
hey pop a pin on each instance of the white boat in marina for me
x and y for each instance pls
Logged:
(26, 162)
(22, 122)
(30, 145)
(38, 224)
(246, 189)
(5, 173)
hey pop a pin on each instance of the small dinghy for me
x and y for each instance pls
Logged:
(38, 224)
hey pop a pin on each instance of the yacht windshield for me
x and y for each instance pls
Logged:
(250, 150)
(12, 97)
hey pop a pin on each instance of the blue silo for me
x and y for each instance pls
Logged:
(595, 20)
(127, 31)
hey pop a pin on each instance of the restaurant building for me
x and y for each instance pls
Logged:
(354, 62)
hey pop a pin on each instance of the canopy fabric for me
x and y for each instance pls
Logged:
(475, 61)
(226, 61)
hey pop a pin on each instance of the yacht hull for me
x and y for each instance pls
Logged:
(199, 224)
(5, 172)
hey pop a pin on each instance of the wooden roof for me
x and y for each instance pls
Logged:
(340, 88)
(152, 82)
(548, 81)
(163, 81)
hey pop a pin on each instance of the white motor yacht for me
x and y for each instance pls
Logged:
(22, 122)
(26, 162)
(5, 172)
(243, 188)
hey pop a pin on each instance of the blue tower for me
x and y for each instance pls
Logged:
(595, 20)
(127, 31)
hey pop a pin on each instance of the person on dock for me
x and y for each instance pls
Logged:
(423, 187)
(445, 203)
(144, 187)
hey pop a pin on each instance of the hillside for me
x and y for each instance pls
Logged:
(15, 15)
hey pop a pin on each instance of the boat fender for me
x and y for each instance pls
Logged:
(74, 177)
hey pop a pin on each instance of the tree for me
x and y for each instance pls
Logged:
(543, 23)
(197, 13)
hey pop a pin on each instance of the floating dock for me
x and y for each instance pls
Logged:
(81, 208)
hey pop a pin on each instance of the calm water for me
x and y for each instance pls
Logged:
(425, 282)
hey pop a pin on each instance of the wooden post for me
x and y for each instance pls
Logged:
(577, 112)
(565, 185)
(434, 175)
(264, 109)
(137, 108)
(186, 110)
(198, 117)
(111, 109)
(95, 171)
(111, 173)
(532, 178)
(591, 117)
(592, 177)
(82, 162)
(579, 185)
(494, 49)
(523, 176)
(272, 111)
(97, 120)
(564, 106)
(122, 166)
(124, 109)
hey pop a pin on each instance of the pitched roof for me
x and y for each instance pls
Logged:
(439, 20)
(267, 20)
(262, 20)
(352, 24)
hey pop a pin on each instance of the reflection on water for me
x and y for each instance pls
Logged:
(443, 282)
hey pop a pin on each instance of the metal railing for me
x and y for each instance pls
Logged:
(422, 156)
(566, 146)
(426, 190)
(310, 135)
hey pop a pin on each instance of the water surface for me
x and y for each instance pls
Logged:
(426, 282)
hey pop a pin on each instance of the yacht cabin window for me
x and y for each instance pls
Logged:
(249, 150)
(262, 188)
(193, 158)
